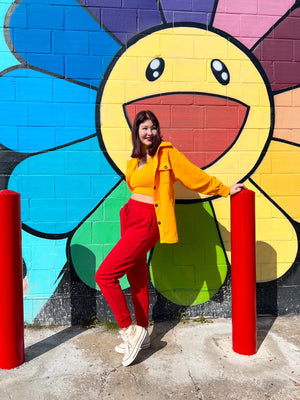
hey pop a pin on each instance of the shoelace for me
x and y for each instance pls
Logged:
(126, 338)
(128, 346)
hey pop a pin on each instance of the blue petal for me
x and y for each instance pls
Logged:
(44, 261)
(62, 38)
(59, 188)
(7, 59)
(39, 112)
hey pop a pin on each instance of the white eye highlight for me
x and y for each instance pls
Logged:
(224, 76)
(155, 63)
(217, 65)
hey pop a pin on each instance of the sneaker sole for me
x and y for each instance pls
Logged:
(122, 351)
(136, 349)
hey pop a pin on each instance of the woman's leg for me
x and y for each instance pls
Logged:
(139, 237)
(139, 287)
(107, 278)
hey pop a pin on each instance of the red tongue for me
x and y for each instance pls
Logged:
(203, 127)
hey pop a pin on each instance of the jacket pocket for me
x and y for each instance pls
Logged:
(164, 171)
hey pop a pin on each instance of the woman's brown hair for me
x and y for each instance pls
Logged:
(141, 117)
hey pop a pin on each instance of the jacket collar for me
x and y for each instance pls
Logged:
(164, 144)
(134, 161)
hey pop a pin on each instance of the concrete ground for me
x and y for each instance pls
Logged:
(191, 360)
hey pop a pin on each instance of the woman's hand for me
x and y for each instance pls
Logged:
(236, 188)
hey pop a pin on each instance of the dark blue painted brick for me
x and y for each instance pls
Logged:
(99, 44)
(77, 19)
(72, 42)
(76, 67)
(55, 17)
(46, 60)
(39, 39)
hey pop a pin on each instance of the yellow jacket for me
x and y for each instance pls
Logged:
(169, 166)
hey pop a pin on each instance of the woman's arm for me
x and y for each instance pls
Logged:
(194, 178)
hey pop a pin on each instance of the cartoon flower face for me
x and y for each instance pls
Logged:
(226, 94)
(210, 97)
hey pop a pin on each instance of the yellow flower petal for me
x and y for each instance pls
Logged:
(276, 239)
(279, 176)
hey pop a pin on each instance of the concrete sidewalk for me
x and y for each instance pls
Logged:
(191, 360)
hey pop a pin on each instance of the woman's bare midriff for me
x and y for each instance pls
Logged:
(142, 197)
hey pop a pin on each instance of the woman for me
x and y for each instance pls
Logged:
(148, 216)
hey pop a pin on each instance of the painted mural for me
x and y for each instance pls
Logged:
(223, 77)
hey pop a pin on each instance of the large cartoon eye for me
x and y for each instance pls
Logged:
(155, 69)
(220, 71)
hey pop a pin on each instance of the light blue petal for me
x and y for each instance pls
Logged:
(44, 261)
(60, 188)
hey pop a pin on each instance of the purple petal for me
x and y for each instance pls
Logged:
(127, 19)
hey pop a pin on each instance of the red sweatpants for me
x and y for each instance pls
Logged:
(139, 233)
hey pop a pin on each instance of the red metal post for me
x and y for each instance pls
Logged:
(12, 352)
(243, 271)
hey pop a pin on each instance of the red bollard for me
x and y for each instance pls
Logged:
(243, 272)
(12, 352)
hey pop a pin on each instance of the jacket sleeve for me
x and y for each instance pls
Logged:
(194, 178)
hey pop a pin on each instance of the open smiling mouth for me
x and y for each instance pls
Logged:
(202, 126)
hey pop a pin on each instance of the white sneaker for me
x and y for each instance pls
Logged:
(120, 348)
(133, 338)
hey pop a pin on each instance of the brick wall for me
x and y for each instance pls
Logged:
(222, 77)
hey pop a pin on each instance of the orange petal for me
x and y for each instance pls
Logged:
(287, 118)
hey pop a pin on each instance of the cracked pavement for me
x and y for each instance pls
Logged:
(190, 360)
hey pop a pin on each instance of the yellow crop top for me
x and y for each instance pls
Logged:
(142, 180)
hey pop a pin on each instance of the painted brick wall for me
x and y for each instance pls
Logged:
(223, 78)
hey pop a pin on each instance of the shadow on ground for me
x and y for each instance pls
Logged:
(45, 345)
(264, 325)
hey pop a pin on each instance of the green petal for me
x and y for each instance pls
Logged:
(192, 271)
(95, 238)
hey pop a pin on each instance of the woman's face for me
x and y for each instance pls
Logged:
(147, 132)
